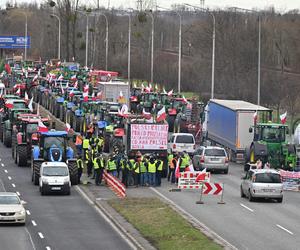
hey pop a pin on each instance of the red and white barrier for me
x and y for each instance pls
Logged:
(115, 185)
(187, 180)
(212, 188)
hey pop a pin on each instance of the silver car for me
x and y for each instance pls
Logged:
(262, 183)
(212, 158)
(11, 208)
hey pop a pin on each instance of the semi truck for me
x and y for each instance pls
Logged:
(227, 123)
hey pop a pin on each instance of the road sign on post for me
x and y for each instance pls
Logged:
(187, 180)
(212, 189)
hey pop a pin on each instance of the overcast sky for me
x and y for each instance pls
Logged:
(280, 5)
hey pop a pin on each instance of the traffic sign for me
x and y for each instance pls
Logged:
(187, 180)
(212, 188)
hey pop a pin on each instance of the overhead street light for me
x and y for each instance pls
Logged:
(152, 42)
(179, 46)
(213, 46)
(86, 36)
(59, 33)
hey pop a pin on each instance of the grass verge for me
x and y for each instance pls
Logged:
(161, 225)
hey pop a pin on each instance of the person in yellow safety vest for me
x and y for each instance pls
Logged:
(184, 161)
(143, 173)
(98, 164)
(78, 143)
(151, 171)
(89, 161)
(170, 165)
(159, 164)
(126, 166)
(112, 166)
(85, 146)
(137, 170)
(99, 144)
(80, 167)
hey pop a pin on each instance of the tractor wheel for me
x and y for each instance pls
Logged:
(13, 145)
(62, 113)
(7, 138)
(22, 155)
(1, 132)
(57, 110)
(73, 169)
(36, 172)
(252, 155)
(68, 117)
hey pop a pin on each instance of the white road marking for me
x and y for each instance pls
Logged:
(33, 246)
(2, 185)
(5, 170)
(193, 218)
(2, 164)
(125, 237)
(48, 248)
(248, 208)
(9, 177)
(13, 185)
(18, 193)
(41, 235)
(284, 229)
(28, 212)
(33, 223)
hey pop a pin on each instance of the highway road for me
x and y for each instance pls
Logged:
(55, 221)
(261, 224)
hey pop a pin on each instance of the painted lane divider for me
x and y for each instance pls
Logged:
(2, 164)
(28, 212)
(284, 229)
(33, 223)
(248, 208)
(13, 185)
(48, 248)
(9, 177)
(41, 235)
(18, 193)
(5, 170)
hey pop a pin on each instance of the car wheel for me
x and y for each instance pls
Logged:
(279, 200)
(68, 192)
(242, 193)
(250, 197)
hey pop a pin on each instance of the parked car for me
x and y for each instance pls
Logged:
(212, 158)
(54, 177)
(11, 208)
(262, 183)
(180, 142)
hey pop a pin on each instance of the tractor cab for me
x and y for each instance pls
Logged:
(270, 132)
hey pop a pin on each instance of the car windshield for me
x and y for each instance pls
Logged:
(55, 171)
(19, 105)
(267, 178)
(9, 199)
(215, 152)
(184, 139)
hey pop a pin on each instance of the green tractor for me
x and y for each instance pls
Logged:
(269, 145)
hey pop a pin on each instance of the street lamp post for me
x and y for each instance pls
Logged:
(259, 51)
(152, 43)
(86, 36)
(179, 47)
(213, 47)
(129, 45)
(25, 40)
(59, 33)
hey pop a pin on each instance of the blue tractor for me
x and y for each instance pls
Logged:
(53, 146)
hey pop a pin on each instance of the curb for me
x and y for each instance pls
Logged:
(130, 234)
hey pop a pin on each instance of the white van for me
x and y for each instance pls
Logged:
(54, 177)
(180, 142)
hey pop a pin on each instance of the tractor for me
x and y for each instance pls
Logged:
(269, 145)
(53, 146)
(24, 135)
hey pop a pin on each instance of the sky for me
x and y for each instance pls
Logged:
(280, 5)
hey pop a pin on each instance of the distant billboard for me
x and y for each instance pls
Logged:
(14, 42)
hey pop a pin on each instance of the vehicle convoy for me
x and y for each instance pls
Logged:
(227, 123)
(269, 145)
(53, 147)
(54, 177)
(24, 136)
(262, 183)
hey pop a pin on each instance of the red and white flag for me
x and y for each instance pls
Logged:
(30, 104)
(146, 115)
(161, 115)
(76, 85)
(184, 99)
(170, 93)
(71, 94)
(86, 88)
(18, 91)
(73, 77)
(35, 78)
(85, 96)
(42, 127)
(99, 95)
(255, 117)
(124, 111)
(164, 91)
(283, 118)
(177, 170)
(94, 98)
(60, 78)
(9, 104)
(62, 89)
(68, 127)
(121, 98)
(148, 89)
(201, 176)
(26, 98)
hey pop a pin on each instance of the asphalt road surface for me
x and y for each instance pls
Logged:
(55, 221)
(263, 224)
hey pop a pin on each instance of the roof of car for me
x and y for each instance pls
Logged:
(8, 193)
(188, 134)
(54, 164)
(259, 171)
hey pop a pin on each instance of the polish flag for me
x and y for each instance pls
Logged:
(184, 99)
(58, 63)
(255, 117)
(18, 91)
(94, 98)
(26, 98)
(62, 89)
(164, 91)
(73, 77)
(68, 127)
(35, 78)
(71, 94)
(60, 78)
(39, 72)
(99, 95)
(121, 98)
(143, 87)
(201, 176)
(156, 87)
(42, 127)
(177, 170)
(124, 111)
(161, 115)
(170, 93)
(30, 104)
(85, 96)
(148, 89)
(283, 118)
(9, 104)
(86, 88)
(76, 85)
(146, 115)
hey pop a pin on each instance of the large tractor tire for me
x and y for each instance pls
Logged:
(258, 151)
(69, 117)
(57, 110)
(7, 138)
(247, 159)
(22, 155)
(36, 167)
(13, 144)
(73, 170)
(1, 132)
(62, 111)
